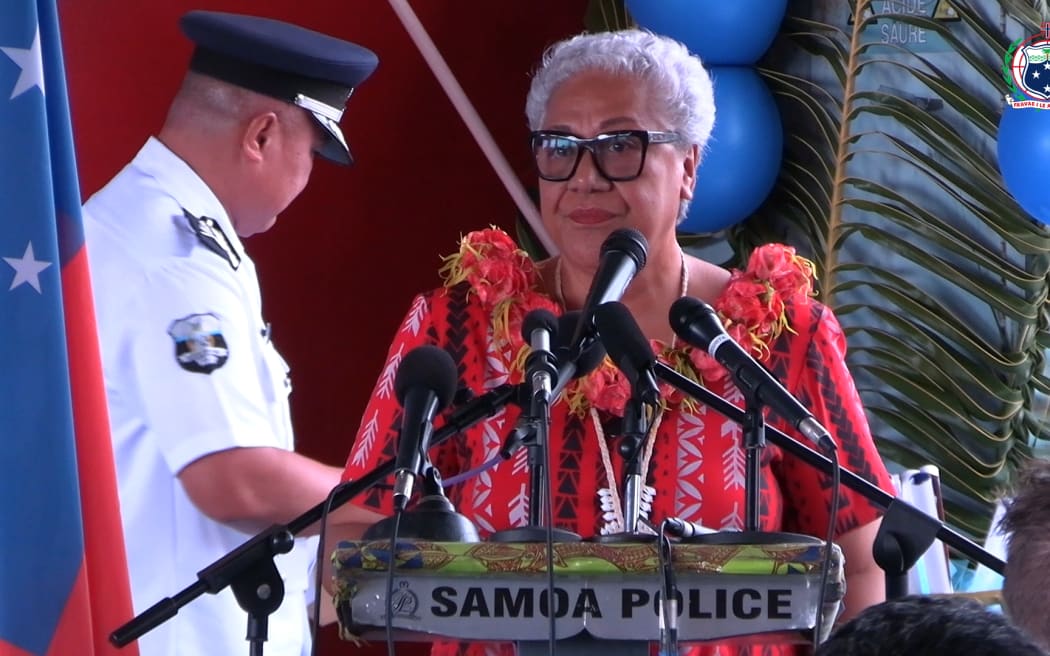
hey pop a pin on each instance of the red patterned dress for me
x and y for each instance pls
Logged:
(695, 464)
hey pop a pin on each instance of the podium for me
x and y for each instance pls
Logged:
(604, 593)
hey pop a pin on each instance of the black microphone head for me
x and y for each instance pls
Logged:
(695, 321)
(539, 319)
(629, 241)
(427, 367)
(623, 339)
(588, 360)
(566, 324)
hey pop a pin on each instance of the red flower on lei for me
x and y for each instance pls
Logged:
(752, 308)
(504, 279)
(753, 305)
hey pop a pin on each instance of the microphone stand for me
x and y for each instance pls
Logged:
(635, 428)
(432, 518)
(636, 424)
(249, 569)
(906, 532)
(533, 431)
(754, 441)
(753, 423)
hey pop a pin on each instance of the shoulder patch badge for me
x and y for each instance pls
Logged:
(214, 239)
(199, 344)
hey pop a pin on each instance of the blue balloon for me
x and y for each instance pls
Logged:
(722, 32)
(1024, 158)
(743, 156)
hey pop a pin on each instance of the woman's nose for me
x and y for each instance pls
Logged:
(587, 176)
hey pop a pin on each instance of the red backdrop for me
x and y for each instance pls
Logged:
(339, 269)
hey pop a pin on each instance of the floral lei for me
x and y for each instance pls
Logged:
(752, 309)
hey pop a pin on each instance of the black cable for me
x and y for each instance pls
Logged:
(548, 519)
(825, 566)
(315, 619)
(390, 584)
(669, 602)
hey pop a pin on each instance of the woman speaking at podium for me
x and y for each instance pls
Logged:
(620, 121)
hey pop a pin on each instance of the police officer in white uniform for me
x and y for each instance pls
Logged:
(198, 396)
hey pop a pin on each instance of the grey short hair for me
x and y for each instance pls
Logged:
(677, 76)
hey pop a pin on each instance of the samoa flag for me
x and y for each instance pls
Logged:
(63, 573)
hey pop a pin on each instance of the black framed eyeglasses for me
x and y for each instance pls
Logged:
(619, 156)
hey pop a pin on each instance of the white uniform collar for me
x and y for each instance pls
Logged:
(184, 185)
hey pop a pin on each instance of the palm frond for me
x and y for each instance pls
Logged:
(938, 277)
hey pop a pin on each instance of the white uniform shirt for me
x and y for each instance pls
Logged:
(189, 370)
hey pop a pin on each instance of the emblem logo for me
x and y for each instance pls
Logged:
(404, 602)
(199, 344)
(1026, 68)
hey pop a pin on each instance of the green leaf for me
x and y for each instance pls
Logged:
(938, 277)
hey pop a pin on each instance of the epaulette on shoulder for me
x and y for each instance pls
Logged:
(214, 239)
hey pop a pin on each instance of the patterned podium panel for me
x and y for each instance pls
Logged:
(499, 591)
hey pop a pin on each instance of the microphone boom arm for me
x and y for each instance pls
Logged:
(872, 493)
(243, 567)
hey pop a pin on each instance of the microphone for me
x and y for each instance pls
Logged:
(683, 528)
(631, 352)
(568, 369)
(696, 322)
(623, 255)
(574, 364)
(628, 348)
(425, 383)
(589, 360)
(538, 327)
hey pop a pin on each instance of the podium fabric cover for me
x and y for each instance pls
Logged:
(497, 591)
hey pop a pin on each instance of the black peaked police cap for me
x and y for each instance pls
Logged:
(305, 68)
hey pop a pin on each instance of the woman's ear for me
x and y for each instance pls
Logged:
(690, 164)
(258, 135)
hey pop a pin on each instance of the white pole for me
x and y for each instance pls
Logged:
(470, 117)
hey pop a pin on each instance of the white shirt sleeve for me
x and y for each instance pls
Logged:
(194, 412)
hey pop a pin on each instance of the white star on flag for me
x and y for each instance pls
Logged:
(27, 269)
(29, 60)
